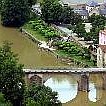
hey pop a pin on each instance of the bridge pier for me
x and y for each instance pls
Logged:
(104, 81)
(83, 83)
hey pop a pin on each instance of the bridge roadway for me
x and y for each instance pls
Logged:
(65, 70)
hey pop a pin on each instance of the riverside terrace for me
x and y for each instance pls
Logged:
(65, 70)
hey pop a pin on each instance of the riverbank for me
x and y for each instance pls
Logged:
(39, 33)
(66, 60)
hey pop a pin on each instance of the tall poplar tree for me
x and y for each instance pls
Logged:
(15, 12)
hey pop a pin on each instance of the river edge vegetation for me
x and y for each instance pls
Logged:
(52, 12)
(15, 13)
(13, 87)
(78, 55)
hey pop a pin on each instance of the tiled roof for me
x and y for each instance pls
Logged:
(92, 3)
(103, 48)
(82, 12)
(103, 11)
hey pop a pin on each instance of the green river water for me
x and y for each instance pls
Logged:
(29, 53)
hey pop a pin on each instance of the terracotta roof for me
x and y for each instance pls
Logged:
(103, 48)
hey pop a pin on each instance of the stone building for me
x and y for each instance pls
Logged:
(101, 56)
(101, 51)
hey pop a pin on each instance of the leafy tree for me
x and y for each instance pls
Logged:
(41, 96)
(80, 30)
(66, 15)
(14, 12)
(32, 2)
(76, 19)
(3, 101)
(97, 20)
(51, 10)
(54, 12)
(1, 2)
(11, 76)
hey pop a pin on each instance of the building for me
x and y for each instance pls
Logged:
(84, 14)
(101, 51)
(102, 37)
(90, 8)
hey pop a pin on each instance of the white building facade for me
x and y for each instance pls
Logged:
(101, 51)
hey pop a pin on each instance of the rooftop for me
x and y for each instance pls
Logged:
(92, 3)
(103, 11)
(82, 12)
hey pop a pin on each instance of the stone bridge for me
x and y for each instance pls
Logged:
(40, 76)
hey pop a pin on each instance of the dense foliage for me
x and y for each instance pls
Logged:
(32, 2)
(40, 95)
(79, 29)
(51, 10)
(43, 29)
(1, 1)
(77, 53)
(54, 12)
(3, 102)
(15, 12)
(12, 84)
(97, 22)
(11, 76)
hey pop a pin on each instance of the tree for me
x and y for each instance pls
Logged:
(80, 30)
(66, 15)
(11, 76)
(32, 2)
(76, 19)
(51, 10)
(15, 12)
(40, 95)
(1, 1)
(3, 102)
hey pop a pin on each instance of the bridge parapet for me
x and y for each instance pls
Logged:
(64, 70)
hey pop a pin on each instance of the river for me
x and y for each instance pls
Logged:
(29, 53)
(66, 86)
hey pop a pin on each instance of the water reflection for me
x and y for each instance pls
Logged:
(65, 90)
(92, 93)
(66, 86)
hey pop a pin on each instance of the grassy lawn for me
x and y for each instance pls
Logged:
(36, 34)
